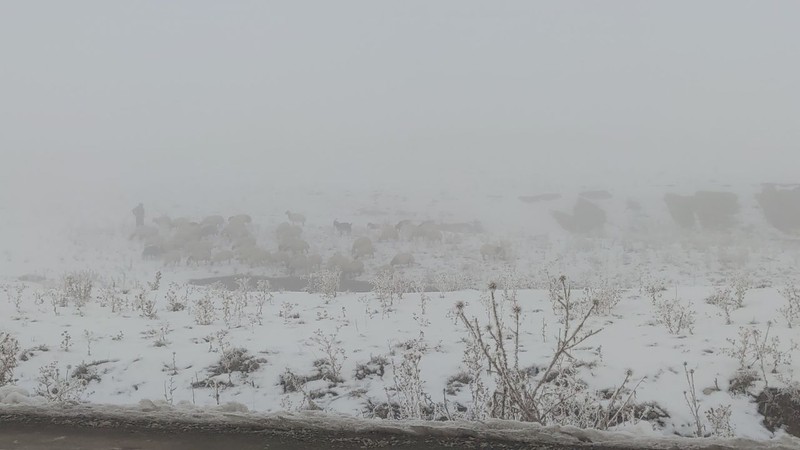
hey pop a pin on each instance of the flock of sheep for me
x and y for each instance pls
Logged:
(215, 240)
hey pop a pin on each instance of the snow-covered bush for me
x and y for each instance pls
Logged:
(146, 304)
(757, 350)
(78, 286)
(204, 313)
(55, 388)
(791, 310)
(174, 303)
(518, 396)
(451, 282)
(604, 295)
(676, 316)
(9, 348)
(325, 282)
(408, 391)
(334, 354)
(720, 420)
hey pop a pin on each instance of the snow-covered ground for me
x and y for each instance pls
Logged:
(132, 347)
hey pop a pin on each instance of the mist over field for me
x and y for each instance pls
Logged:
(558, 213)
(106, 105)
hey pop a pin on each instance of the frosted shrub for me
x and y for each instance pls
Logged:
(654, 290)
(604, 296)
(676, 316)
(78, 286)
(263, 295)
(334, 357)
(724, 299)
(576, 306)
(156, 283)
(690, 395)
(720, 420)
(755, 349)
(9, 348)
(146, 304)
(110, 297)
(288, 312)
(451, 282)
(325, 282)
(55, 388)
(791, 310)
(517, 395)
(173, 302)
(409, 388)
(204, 313)
(14, 294)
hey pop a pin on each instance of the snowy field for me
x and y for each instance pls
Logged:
(682, 330)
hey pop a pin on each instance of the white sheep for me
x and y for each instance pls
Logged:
(216, 220)
(295, 246)
(222, 256)
(240, 218)
(389, 233)
(363, 247)
(402, 259)
(337, 261)
(254, 256)
(286, 231)
(352, 269)
(492, 251)
(296, 218)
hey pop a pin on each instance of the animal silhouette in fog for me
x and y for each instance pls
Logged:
(296, 218)
(343, 228)
(138, 212)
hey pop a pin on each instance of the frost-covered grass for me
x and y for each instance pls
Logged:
(673, 311)
(295, 351)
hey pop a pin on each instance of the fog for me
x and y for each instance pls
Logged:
(108, 103)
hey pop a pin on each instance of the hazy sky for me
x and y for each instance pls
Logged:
(99, 96)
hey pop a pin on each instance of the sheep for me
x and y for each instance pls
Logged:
(240, 218)
(298, 265)
(286, 231)
(402, 259)
(222, 256)
(281, 258)
(180, 221)
(337, 261)
(426, 232)
(346, 266)
(343, 227)
(389, 234)
(315, 261)
(216, 221)
(363, 247)
(208, 230)
(197, 256)
(187, 232)
(234, 230)
(163, 221)
(247, 240)
(296, 218)
(493, 251)
(172, 258)
(152, 252)
(254, 256)
(352, 269)
(403, 224)
(294, 246)
(144, 232)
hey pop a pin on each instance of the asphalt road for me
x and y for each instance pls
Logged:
(47, 437)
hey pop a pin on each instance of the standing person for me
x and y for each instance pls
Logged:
(138, 212)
